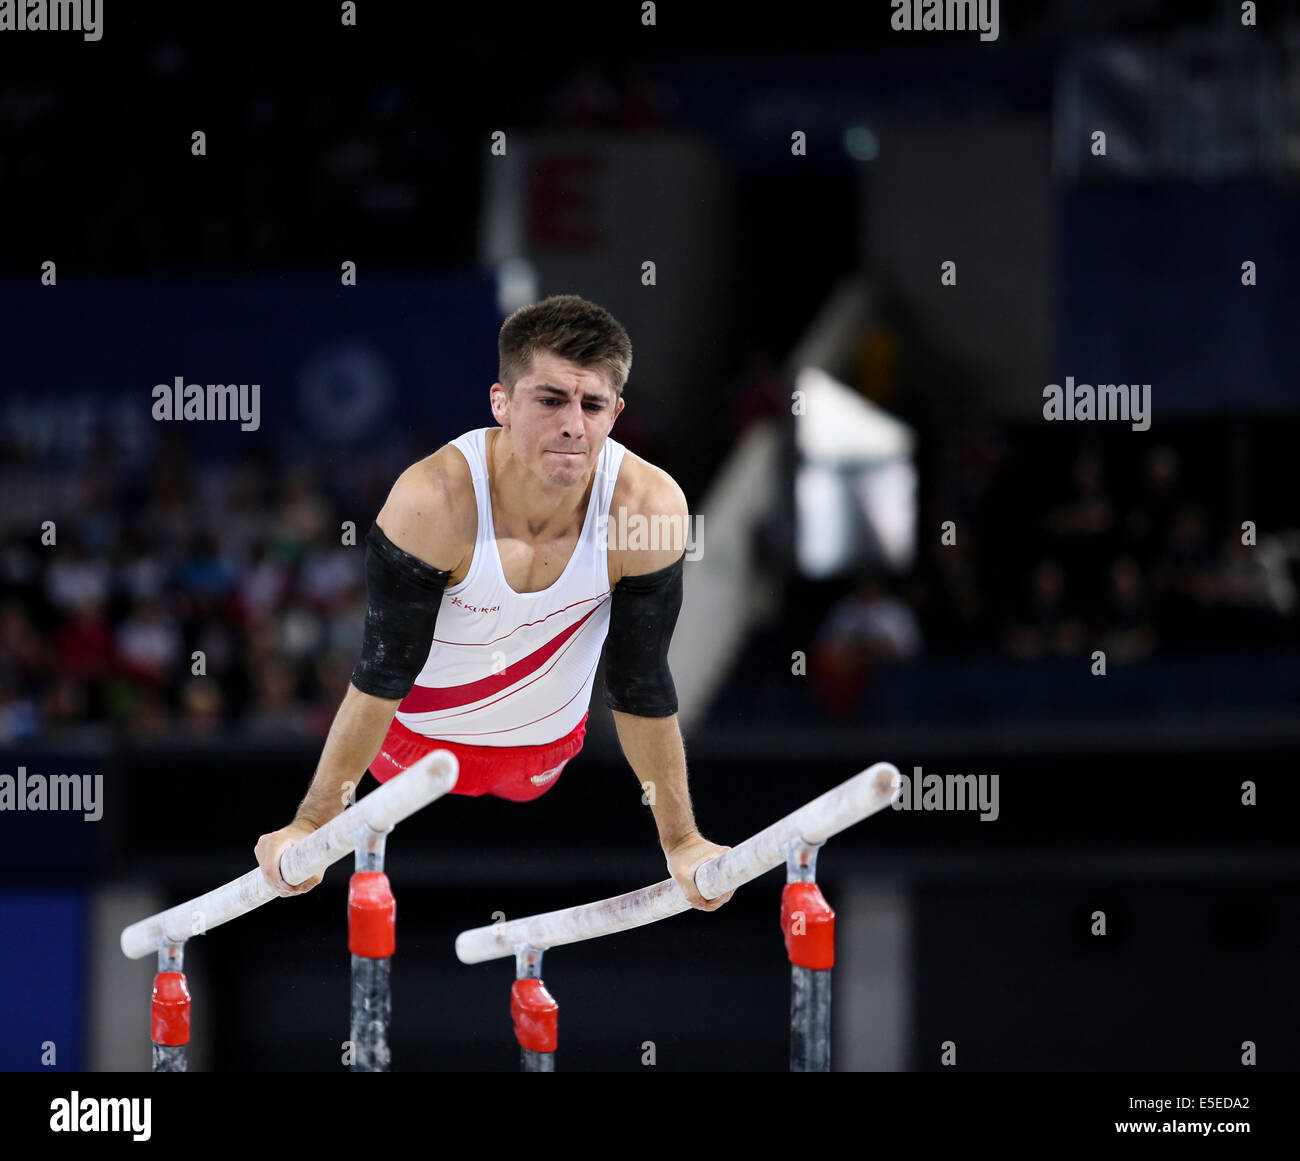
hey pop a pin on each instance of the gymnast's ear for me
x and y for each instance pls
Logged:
(499, 401)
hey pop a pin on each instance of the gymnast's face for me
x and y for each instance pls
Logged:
(558, 418)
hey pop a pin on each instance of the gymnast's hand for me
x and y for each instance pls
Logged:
(271, 847)
(683, 858)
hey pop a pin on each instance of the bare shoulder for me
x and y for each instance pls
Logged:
(648, 519)
(646, 489)
(431, 513)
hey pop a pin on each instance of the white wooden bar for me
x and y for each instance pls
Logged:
(382, 809)
(839, 808)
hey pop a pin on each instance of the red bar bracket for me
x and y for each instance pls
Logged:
(808, 924)
(372, 915)
(536, 1015)
(170, 1023)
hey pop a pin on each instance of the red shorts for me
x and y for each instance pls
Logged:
(519, 773)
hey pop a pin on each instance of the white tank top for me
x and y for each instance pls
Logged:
(508, 668)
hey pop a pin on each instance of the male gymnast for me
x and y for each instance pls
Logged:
(492, 586)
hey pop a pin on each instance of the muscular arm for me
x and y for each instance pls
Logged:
(414, 520)
(639, 688)
(358, 730)
(657, 755)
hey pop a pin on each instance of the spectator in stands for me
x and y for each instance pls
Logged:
(1148, 522)
(239, 512)
(202, 708)
(1251, 603)
(1047, 626)
(332, 673)
(205, 576)
(276, 710)
(142, 573)
(148, 645)
(867, 627)
(301, 516)
(25, 659)
(328, 573)
(1128, 633)
(1083, 531)
(1090, 512)
(146, 717)
(345, 627)
(947, 599)
(83, 650)
(74, 579)
(166, 520)
(263, 585)
(97, 518)
(1185, 579)
(301, 633)
(20, 717)
(25, 669)
(66, 701)
(219, 642)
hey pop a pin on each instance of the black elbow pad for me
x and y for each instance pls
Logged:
(402, 598)
(643, 614)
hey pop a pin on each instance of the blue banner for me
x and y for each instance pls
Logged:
(1151, 291)
(302, 363)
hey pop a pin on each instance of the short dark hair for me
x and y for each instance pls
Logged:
(572, 328)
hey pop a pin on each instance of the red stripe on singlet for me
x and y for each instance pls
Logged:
(424, 698)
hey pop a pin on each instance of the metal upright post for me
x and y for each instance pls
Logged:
(170, 1017)
(808, 924)
(372, 939)
(534, 1011)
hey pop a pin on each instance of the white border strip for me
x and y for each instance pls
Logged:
(839, 808)
(382, 809)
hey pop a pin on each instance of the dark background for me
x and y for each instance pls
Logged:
(327, 144)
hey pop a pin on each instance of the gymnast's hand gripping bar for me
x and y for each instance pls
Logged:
(839, 808)
(398, 798)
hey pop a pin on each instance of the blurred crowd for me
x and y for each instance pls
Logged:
(205, 600)
(1128, 571)
(200, 602)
